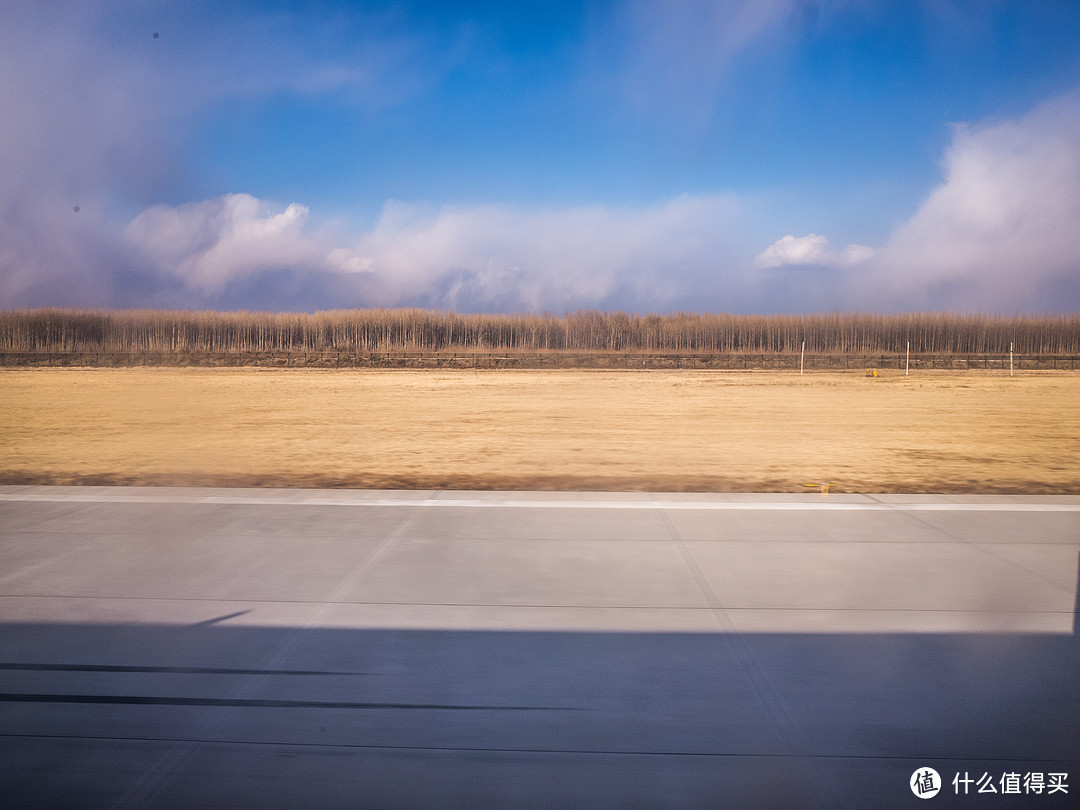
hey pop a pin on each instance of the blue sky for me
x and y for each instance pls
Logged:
(733, 155)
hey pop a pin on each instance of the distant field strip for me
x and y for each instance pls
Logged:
(586, 431)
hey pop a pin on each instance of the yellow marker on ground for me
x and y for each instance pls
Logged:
(823, 486)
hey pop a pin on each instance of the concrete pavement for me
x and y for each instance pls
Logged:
(304, 648)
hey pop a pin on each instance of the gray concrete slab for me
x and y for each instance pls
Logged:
(276, 648)
(531, 523)
(524, 571)
(155, 518)
(863, 526)
(946, 576)
(1052, 562)
(178, 564)
(1002, 526)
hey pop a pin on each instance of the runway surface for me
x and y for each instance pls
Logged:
(304, 648)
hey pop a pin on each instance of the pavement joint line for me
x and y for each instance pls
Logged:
(521, 750)
(578, 607)
(986, 549)
(249, 703)
(874, 505)
(164, 670)
(759, 681)
(432, 538)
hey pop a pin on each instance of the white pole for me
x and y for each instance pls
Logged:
(1010, 359)
(907, 358)
(801, 355)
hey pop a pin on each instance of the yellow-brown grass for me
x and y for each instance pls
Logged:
(605, 430)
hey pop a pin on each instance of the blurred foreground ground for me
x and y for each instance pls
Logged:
(575, 430)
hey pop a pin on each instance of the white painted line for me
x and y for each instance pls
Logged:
(823, 505)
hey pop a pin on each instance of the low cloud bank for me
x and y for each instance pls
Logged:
(1001, 229)
(482, 258)
(998, 233)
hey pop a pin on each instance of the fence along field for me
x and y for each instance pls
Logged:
(418, 337)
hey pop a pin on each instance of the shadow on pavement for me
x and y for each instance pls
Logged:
(214, 714)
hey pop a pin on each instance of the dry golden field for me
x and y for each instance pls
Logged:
(583, 430)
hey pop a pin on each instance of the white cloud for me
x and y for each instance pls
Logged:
(855, 254)
(1000, 231)
(467, 258)
(209, 244)
(492, 256)
(811, 250)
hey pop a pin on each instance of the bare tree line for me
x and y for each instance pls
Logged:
(378, 330)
